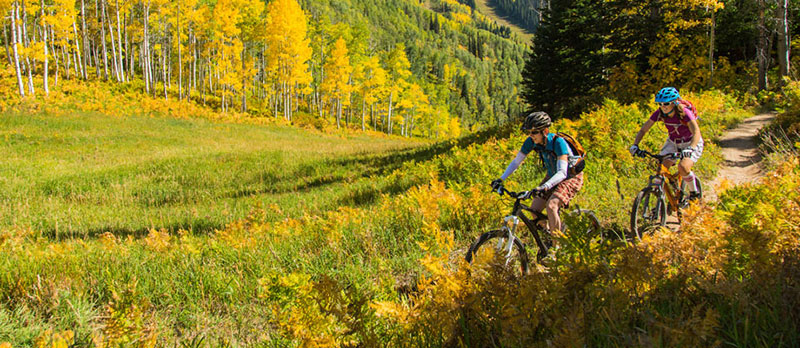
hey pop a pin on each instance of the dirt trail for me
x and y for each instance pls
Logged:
(739, 148)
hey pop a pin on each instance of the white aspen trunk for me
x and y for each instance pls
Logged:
(194, 63)
(79, 61)
(275, 101)
(168, 53)
(338, 112)
(103, 38)
(128, 54)
(210, 86)
(784, 42)
(67, 61)
(25, 42)
(119, 40)
(55, 56)
(148, 78)
(389, 121)
(113, 44)
(44, 40)
(16, 51)
(84, 39)
(96, 58)
(164, 65)
(180, 57)
(77, 67)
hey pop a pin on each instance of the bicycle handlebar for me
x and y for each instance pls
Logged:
(516, 195)
(675, 155)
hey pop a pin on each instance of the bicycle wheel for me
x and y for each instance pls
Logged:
(697, 184)
(495, 244)
(699, 187)
(649, 212)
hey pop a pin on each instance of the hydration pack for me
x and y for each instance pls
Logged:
(577, 162)
(686, 105)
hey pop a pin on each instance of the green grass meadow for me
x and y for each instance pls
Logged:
(85, 174)
(300, 238)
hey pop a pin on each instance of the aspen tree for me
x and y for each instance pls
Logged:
(249, 23)
(84, 40)
(119, 41)
(78, 61)
(15, 43)
(44, 47)
(288, 48)
(146, 64)
(336, 84)
(229, 48)
(26, 43)
(398, 66)
(414, 99)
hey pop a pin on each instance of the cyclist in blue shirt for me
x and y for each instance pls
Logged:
(558, 187)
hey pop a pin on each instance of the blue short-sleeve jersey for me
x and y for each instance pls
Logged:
(555, 147)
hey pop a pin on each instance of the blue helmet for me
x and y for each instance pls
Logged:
(667, 94)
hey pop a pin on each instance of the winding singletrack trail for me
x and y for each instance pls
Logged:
(739, 147)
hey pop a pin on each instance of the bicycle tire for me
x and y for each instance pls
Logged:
(521, 254)
(697, 185)
(649, 212)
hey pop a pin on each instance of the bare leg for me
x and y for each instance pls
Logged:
(685, 167)
(553, 204)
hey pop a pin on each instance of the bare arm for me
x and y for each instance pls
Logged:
(695, 128)
(642, 131)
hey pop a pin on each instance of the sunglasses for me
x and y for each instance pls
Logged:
(537, 131)
(665, 104)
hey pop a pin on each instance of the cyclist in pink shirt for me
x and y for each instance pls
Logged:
(684, 135)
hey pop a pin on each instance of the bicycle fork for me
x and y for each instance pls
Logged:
(512, 221)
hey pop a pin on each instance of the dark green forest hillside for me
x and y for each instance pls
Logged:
(490, 61)
(525, 13)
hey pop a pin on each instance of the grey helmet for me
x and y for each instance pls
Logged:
(536, 120)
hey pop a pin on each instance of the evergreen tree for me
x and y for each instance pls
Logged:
(566, 66)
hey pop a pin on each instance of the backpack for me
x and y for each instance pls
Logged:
(577, 162)
(686, 104)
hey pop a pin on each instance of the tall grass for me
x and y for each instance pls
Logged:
(388, 273)
(86, 173)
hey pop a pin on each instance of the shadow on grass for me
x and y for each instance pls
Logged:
(312, 177)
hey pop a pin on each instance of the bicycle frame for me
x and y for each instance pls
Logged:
(533, 226)
(666, 182)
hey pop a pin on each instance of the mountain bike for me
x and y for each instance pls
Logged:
(664, 194)
(506, 242)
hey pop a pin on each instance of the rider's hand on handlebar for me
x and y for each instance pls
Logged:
(687, 152)
(537, 192)
(497, 185)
